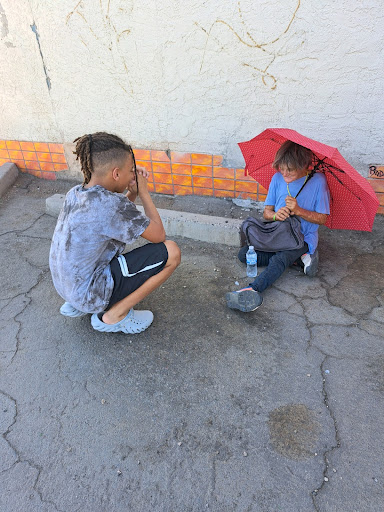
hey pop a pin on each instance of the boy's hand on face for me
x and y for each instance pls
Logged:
(143, 172)
(142, 180)
(142, 176)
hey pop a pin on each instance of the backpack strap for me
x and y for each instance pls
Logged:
(306, 181)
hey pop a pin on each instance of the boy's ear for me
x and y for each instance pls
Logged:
(116, 173)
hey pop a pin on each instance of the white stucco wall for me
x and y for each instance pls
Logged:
(194, 76)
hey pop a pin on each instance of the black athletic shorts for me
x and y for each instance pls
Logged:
(131, 270)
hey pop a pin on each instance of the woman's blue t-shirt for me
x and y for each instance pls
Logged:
(314, 197)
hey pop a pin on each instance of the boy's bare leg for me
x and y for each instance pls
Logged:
(120, 310)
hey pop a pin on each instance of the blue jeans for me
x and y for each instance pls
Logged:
(276, 263)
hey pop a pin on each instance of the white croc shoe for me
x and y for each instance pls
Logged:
(68, 310)
(133, 323)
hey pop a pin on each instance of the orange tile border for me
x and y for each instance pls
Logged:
(27, 146)
(163, 189)
(183, 191)
(45, 157)
(244, 186)
(142, 154)
(197, 191)
(162, 178)
(179, 179)
(30, 155)
(161, 167)
(224, 193)
(181, 169)
(169, 172)
(220, 184)
(146, 165)
(223, 172)
(241, 176)
(203, 182)
(381, 210)
(250, 196)
(13, 144)
(56, 148)
(34, 166)
(217, 160)
(159, 156)
(376, 184)
(201, 170)
(15, 155)
(202, 158)
(46, 166)
(58, 158)
(19, 163)
(182, 158)
(42, 147)
(262, 190)
(60, 167)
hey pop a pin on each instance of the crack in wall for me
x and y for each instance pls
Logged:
(47, 79)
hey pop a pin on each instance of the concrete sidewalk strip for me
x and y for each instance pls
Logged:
(204, 228)
(8, 174)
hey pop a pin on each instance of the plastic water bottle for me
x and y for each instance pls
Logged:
(251, 259)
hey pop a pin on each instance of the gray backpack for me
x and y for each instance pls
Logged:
(273, 236)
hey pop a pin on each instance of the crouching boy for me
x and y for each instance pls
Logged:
(97, 220)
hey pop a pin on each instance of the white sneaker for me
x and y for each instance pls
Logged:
(311, 263)
(133, 323)
(68, 310)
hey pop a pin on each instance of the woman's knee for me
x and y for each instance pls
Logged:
(174, 253)
(242, 253)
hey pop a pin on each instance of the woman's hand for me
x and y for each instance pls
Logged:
(283, 213)
(292, 205)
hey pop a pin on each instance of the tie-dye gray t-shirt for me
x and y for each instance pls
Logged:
(93, 226)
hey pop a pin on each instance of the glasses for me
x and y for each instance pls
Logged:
(287, 171)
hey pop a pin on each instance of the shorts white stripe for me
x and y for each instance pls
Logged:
(124, 267)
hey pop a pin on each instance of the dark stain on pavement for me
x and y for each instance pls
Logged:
(293, 431)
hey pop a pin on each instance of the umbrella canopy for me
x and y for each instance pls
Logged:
(353, 202)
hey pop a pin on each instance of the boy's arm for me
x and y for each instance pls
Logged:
(155, 232)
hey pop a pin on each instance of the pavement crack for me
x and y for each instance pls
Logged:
(18, 455)
(21, 231)
(6, 433)
(326, 453)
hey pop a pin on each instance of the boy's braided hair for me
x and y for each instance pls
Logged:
(100, 148)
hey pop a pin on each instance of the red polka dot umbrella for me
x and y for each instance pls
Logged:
(353, 200)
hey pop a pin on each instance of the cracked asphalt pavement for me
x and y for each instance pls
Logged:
(278, 410)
